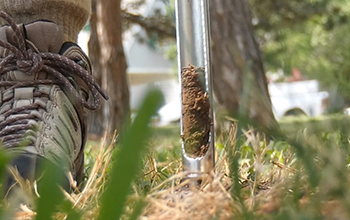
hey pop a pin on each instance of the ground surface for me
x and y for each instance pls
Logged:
(306, 177)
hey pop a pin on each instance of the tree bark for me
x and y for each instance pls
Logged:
(238, 74)
(109, 67)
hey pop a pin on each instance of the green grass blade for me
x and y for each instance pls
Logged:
(4, 160)
(51, 195)
(129, 160)
(137, 210)
(72, 213)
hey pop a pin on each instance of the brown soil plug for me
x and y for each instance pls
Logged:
(196, 121)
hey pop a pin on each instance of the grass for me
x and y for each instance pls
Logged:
(326, 123)
(302, 175)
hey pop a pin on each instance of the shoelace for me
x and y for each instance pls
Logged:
(30, 62)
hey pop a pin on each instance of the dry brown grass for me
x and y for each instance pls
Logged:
(87, 199)
(177, 199)
(187, 201)
(180, 198)
(212, 199)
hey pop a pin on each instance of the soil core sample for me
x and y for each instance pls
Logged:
(196, 121)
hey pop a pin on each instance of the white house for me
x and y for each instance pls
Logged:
(147, 67)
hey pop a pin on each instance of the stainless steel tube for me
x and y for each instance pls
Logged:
(192, 24)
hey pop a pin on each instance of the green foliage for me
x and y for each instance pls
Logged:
(130, 157)
(4, 160)
(318, 163)
(308, 35)
(50, 194)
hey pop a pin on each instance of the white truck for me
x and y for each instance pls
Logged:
(298, 98)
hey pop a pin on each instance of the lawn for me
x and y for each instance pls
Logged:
(326, 123)
(301, 175)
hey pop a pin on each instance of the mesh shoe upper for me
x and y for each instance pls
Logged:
(45, 86)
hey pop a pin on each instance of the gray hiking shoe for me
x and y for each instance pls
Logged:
(45, 86)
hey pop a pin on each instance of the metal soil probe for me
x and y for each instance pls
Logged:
(194, 69)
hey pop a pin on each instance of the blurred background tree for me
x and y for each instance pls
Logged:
(109, 67)
(239, 79)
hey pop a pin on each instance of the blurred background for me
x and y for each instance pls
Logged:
(271, 59)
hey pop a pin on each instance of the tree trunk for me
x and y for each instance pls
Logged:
(238, 74)
(109, 66)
